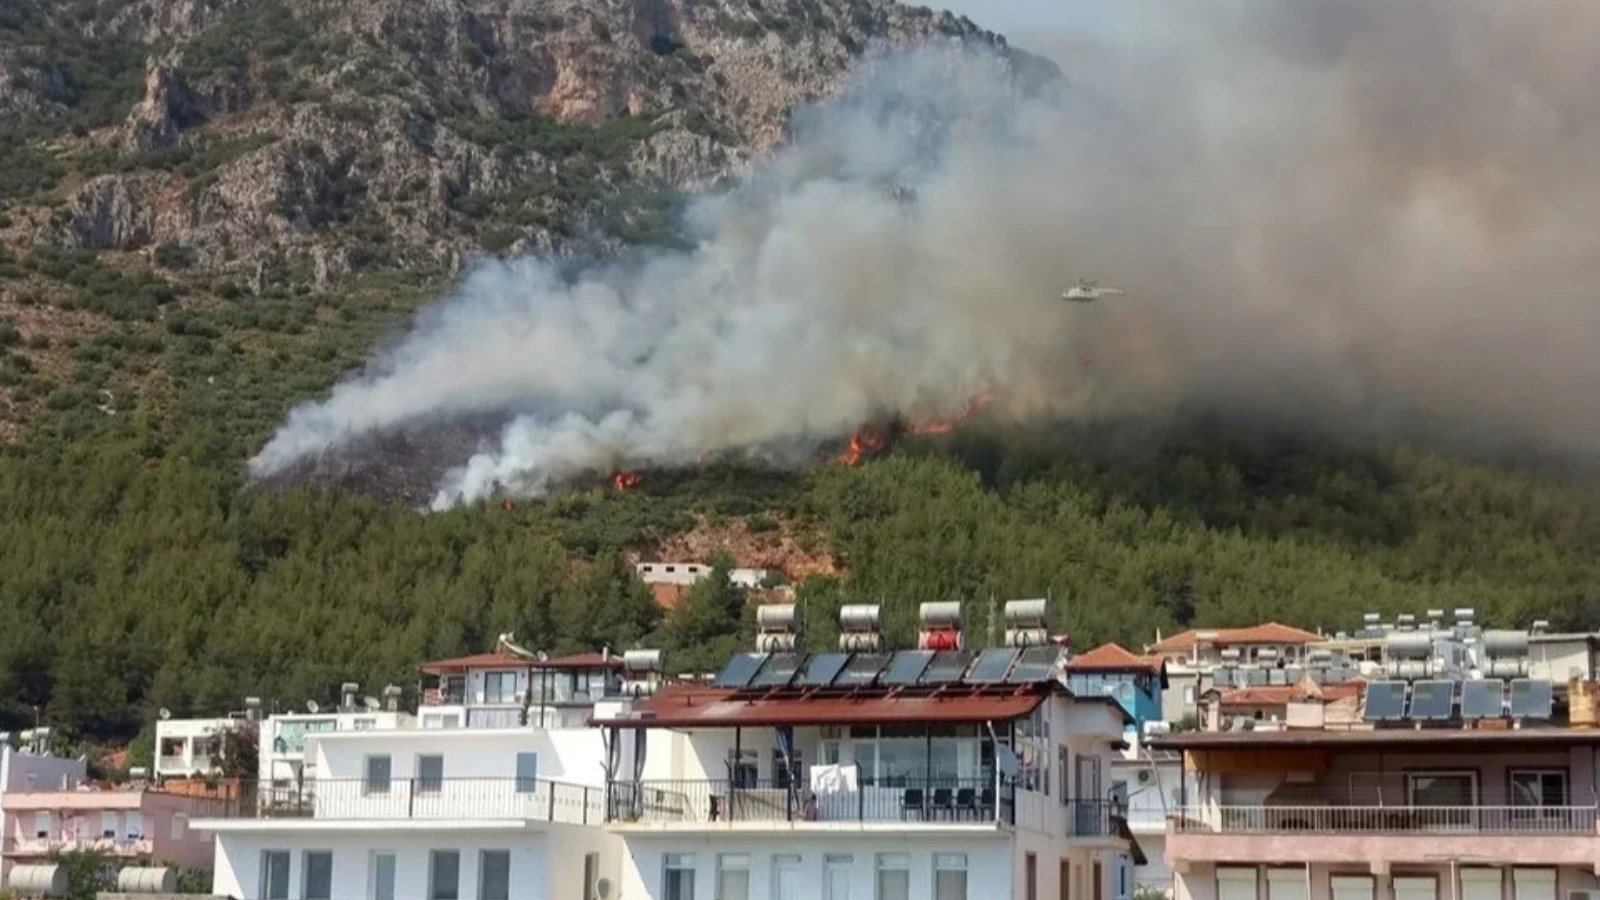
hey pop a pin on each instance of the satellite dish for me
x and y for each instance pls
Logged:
(311, 706)
(164, 713)
(602, 888)
(543, 656)
(371, 703)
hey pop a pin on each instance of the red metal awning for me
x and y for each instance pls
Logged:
(698, 706)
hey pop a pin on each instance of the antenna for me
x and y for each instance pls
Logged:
(164, 713)
(371, 702)
(312, 706)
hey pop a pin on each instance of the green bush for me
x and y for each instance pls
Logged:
(174, 256)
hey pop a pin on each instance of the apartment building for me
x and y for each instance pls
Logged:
(29, 768)
(134, 823)
(448, 804)
(1465, 778)
(1193, 656)
(189, 748)
(868, 775)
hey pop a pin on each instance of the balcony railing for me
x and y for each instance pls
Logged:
(1094, 818)
(1442, 820)
(436, 798)
(714, 801)
(108, 846)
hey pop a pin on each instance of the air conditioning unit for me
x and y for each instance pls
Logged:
(1145, 776)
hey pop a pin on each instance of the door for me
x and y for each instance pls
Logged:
(1030, 876)
(786, 877)
(383, 876)
(1066, 879)
(1099, 882)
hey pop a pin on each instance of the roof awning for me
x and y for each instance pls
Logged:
(678, 707)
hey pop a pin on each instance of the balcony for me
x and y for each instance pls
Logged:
(1095, 818)
(118, 847)
(1443, 820)
(350, 799)
(723, 803)
(1519, 835)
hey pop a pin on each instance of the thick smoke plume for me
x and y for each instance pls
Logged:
(1364, 214)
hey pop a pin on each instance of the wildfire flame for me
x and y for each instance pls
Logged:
(945, 426)
(624, 481)
(865, 442)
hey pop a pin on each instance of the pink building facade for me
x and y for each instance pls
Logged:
(1414, 814)
(128, 824)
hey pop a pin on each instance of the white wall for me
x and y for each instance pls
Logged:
(989, 862)
(275, 766)
(544, 866)
(572, 755)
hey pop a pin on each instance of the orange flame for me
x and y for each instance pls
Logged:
(865, 442)
(624, 481)
(945, 426)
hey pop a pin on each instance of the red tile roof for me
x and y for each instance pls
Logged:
(1269, 633)
(1114, 658)
(690, 705)
(505, 661)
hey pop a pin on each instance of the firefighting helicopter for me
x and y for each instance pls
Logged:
(1088, 291)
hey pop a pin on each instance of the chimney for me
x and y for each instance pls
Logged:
(778, 628)
(858, 627)
(941, 626)
(1027, 623)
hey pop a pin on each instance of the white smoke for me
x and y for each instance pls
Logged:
(1310, 210)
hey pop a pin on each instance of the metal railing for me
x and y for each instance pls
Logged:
(1094, 818)
(750, 800)
(1386, 820)
(436, 798)
(125, 846)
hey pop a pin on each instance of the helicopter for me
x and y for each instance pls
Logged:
(1088, 291)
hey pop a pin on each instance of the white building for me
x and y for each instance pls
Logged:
(472, 798)
(682, 573)
(1148, 782)
(946, 774)
(186, 748)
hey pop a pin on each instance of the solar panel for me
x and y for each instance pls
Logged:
(947, 667)
(1386, 701)
(1530, 699)
(779, 670)
(1433, 699)
(740, 670)
(823, 669)
(992, 666)
(862, 670)
(907, 666)
(1035, 665)
(1483, 699)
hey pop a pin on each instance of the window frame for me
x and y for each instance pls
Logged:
(368, 784)
(429, 784)
(483, 868)
(678, 863)
(884, 863)
(1470, 774)
(526, 784)
(1541, 773)
(305, 874)
(433, 874)
(266, 873)
(940, 865)
(372, 873)
(729, 863)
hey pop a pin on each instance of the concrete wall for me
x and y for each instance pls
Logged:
(544, 866)
(989, 862)
(576, 755)
(26, 771)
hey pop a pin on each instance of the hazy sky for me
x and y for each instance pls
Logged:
(1017, 19)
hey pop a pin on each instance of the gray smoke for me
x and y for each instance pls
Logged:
(1371, 213)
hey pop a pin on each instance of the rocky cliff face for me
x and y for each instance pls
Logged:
(313, 138)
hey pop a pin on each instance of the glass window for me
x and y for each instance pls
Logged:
(1539, 788)
(733, 876)
(744, 768)
(795, 772)
(894, 876)
(500, 687)
(678, 878)
(180, 824)
(494, 875)
(108, 825)
(444, 875)
(527, 772)
(41, 824)
(949, 876)
(430, 774)
(377, 780)
(135, 825)
(383, 876)
(836, 876)
(275, 875)
(318, 868)
(786, 877)
(1443, 788)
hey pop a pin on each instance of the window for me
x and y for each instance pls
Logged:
(382, 876)
(1348, 887)
(363, 724)
(836, 876)
(677, 880)
(430, 774)
(1533, 884)
(894, 876)
(180, 824)
(494, 875)
(527, 772)
(591, 874)
(444, 875)
(318, 866)
(500, 687)
(786, 877)
(1239, 883)
(1415, 887)
(377, 780)
(1532, 788)
(743, 769)
(733, 876)
(108, 826)
(275, 875)
(135, 825)
(795, 771)
(441, 720)
(1442, 788)
(1188, 695)
(41, 824)
(1481, 884)
(1290, 884)
(949, 876)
